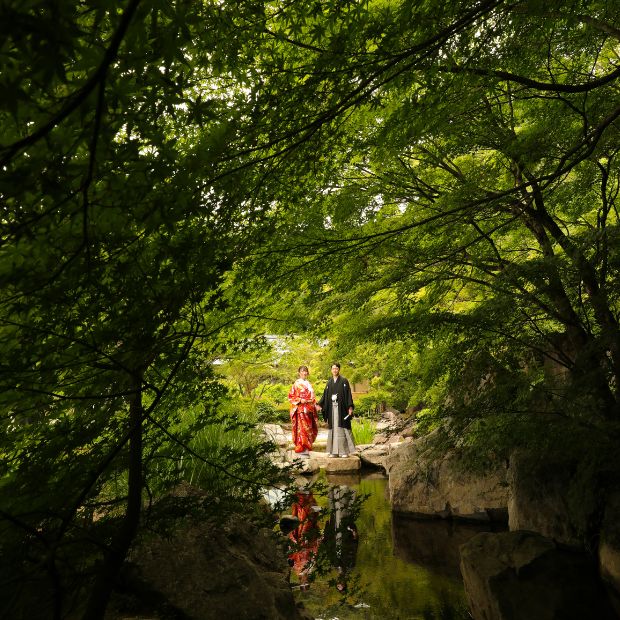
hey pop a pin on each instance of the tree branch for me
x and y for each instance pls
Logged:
(82, 94)
(535, 84)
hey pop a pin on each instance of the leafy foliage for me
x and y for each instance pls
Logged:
(116, 239)
(433, 191)
(363, 430)
(465, 209)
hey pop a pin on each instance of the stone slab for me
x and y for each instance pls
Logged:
(373, 455)
(342, 464)
(275, 433)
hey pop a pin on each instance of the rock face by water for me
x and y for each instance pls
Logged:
(207, 572)
(609, 548)
(423, 486)
(539, 498)
(374, 454)
(525, 576)
(433, 543)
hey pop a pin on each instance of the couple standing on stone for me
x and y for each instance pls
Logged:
(336, 405)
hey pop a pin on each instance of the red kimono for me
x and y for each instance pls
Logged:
(303, 415)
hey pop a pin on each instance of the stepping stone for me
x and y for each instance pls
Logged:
(343, 463)
(374, 454)
(305, 466)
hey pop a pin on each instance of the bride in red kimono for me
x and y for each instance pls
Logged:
(303, 413)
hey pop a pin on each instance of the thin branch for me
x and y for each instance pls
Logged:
(91, 167)
(535, 84)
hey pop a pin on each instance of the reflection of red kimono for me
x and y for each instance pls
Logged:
(305, 537)
(303, 415)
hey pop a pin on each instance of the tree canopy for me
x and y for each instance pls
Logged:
(433, 187)
(467, 195)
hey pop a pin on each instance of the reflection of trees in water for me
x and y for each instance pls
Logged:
(435, 544)
(393, 587)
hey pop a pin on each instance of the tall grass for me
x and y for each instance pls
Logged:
(231, 462)
(363, 430)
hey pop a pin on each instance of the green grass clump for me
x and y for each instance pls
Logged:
(363, 430)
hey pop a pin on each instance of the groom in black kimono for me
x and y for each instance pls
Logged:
(337, 407)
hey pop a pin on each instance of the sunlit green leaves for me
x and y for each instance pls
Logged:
(461, 194)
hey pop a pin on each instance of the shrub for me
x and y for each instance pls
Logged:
(265, 411)
(369, 404)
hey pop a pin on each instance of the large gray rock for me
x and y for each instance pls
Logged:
(423, 485)
(539, 500)
(302, 465)
(539, 492)
(524, 576)
(275, 433)
(609, 548)
(209, 572)
(373, 455)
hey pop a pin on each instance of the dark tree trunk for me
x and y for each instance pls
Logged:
(593, 358)
(117, 552)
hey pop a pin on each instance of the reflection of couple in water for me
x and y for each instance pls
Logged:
(341, 537)
(339, 541)
(304, 538)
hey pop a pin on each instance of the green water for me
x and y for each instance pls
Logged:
(403, 568)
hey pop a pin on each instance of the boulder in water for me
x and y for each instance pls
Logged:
(212, 571)
(423, 484)
(525, 576)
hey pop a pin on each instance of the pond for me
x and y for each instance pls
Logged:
(395, 567)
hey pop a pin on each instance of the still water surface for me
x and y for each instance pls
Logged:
(402, 569)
